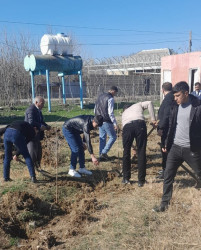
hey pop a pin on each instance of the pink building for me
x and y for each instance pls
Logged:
(181, 67)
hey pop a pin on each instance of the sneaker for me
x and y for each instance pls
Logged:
(74, 173)
(126, 181)
(160, 171)
(160, 208)
(141, 183)
(84, 171)
(104, 157)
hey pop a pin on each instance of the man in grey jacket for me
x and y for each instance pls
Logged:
(72, 129)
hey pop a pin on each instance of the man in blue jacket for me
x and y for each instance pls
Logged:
(197, 91)
(72, 129)
(183, 140)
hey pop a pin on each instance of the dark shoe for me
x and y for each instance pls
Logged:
(7, 179)
(33, 179)
(160, 176)
(160, 171)
(141, 183)
(160, 208)
(198, 185)
(126, 181)
(104, 157)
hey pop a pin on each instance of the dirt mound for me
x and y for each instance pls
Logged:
(79, 213)
(21, 212)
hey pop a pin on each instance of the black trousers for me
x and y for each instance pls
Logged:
(135, 130)
(175, 158)
(164, 155)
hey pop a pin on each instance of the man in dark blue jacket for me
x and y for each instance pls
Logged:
(183, 140)
(34, 117)
(72, 129)
(163, 117)
(18, 133)
(197, 91)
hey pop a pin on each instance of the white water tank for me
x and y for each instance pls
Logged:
(59, 44)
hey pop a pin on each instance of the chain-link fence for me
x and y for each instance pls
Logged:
(136, 79)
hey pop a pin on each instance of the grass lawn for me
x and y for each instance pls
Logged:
(59, 112)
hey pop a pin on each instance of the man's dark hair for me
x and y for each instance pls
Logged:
(114, 88)
(197, 83)
(99, 120)
(167, 86)
(126, 106)
(180, 86)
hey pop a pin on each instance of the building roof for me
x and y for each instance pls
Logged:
(147, 56)
(143, 60)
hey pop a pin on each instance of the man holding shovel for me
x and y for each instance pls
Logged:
(18, 133)
(134, 127)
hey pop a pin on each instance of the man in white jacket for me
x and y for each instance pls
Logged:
(134, 127)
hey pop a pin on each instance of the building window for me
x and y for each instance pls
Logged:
(146, 86)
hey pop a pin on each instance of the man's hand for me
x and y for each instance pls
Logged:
(84, 146)
(164, 150)
(42, 128)
(15, 158)
(116, 128)
(94, 160)
(160, 132)
(154, 124)
(36, 130)
(48, 127)
(134, 151)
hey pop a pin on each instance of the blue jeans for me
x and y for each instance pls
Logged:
(13, 136)
(75, 143)
(106, 129)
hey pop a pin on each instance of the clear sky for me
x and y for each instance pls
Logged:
(108, 28)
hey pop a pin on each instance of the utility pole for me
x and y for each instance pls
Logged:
(190, 40)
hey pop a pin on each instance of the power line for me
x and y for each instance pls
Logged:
(87, 27)
(100, 44)
(132, 43)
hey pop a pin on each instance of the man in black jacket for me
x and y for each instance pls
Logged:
(163, 117)
(34, 117)
(72, 129)
(183, 140)
(104, 106)
(18, 133)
